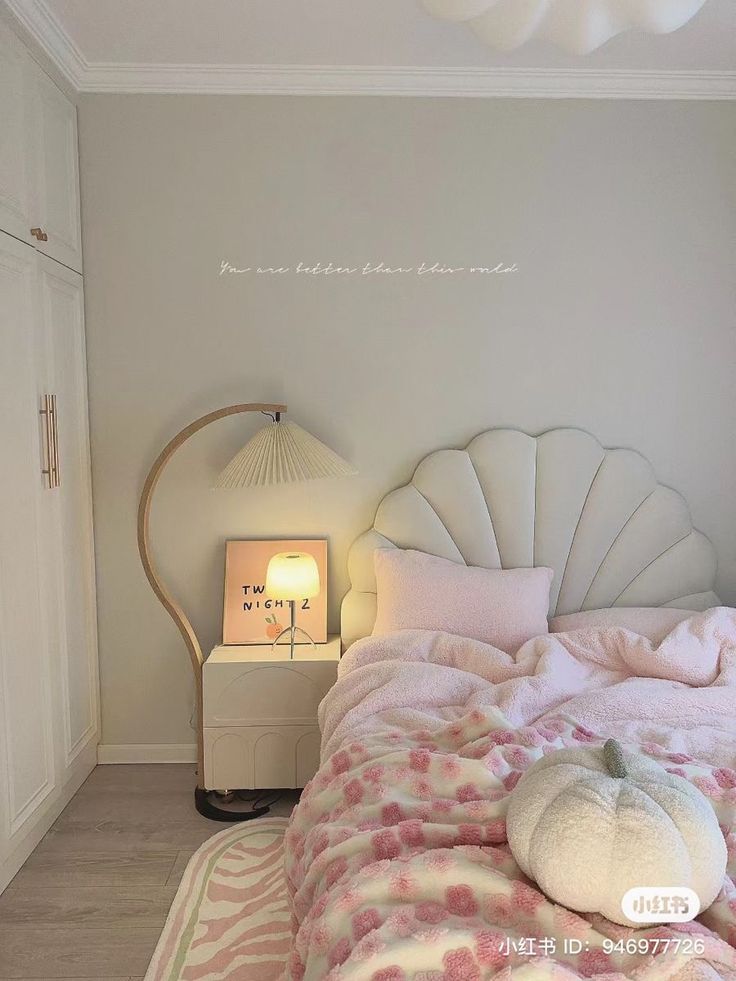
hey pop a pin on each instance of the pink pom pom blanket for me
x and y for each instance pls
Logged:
(396, 856)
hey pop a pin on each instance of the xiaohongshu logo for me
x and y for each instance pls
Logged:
(660, 904)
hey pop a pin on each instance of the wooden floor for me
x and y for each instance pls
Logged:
(92, 899)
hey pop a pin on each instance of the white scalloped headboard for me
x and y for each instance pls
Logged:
(598, 517)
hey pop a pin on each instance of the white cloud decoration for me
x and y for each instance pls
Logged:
(580, 26)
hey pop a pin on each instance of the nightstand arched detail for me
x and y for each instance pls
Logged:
(267, 693)
(260, 715)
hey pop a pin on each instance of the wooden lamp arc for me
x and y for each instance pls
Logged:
(315, 461)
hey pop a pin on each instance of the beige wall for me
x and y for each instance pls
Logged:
(620, 320)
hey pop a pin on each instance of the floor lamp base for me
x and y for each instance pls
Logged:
(206, 803)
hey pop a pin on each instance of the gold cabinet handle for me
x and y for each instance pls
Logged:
(51, 441)
(45, 412)
(55, 442)
(39, 234)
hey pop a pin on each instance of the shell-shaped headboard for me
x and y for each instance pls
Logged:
(598, 517)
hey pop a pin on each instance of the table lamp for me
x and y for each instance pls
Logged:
(292, 576)
(280, 453)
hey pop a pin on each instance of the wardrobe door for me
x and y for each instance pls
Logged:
(14, 141)
(27, 772)
(75, 642)
(55, 206)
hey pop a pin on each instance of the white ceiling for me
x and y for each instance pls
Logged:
(171, 45)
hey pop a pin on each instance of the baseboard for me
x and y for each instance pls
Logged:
(147, 753)
(83, 766)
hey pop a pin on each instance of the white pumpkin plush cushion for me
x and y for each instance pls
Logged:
(589, 824)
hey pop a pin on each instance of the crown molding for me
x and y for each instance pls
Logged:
(407, 81)
(39, 22)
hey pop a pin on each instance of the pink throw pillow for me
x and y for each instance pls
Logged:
(501, 607)
(652, 622)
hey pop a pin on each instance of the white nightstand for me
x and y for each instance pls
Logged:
(260, 714)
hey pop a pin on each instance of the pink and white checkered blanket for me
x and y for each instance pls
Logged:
(396, 856)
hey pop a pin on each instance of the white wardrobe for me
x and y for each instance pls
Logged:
(49, 706)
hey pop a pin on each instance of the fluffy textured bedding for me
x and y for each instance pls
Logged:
(397, 861)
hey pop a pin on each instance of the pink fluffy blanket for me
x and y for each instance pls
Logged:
(396, 858)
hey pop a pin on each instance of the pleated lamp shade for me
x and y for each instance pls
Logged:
(282, 453)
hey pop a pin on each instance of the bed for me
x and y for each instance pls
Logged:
(396, 857)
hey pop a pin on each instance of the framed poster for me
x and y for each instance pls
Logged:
(249, 616)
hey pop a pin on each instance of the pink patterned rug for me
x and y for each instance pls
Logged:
(230, 918)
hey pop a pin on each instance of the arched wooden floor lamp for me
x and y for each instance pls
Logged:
(280, 453)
